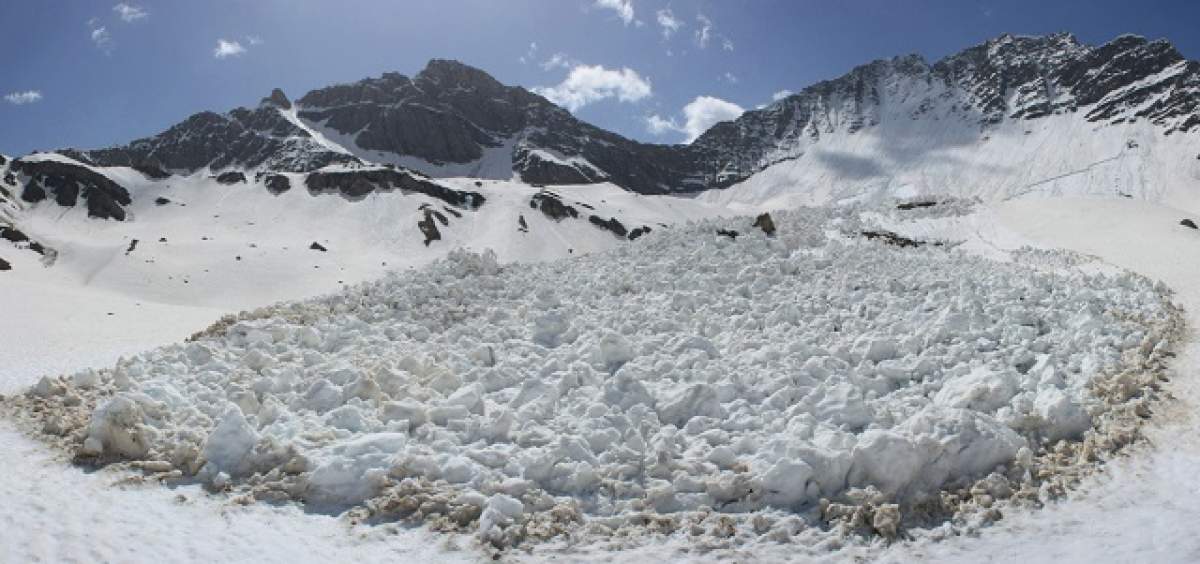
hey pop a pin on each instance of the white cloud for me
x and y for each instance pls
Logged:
(781, 95)
(529, 54)
(726, 44)
(100, 36)
(22, 98)
(698, 115)
(623, 8)
(226, 48)
(730, 78)
(556, 61)
(659, 125)
(254, 40)
(586, 84)
(129, 13)
(668, 22)
(704, 32)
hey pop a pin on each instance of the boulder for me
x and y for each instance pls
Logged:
(1188, 223)
(231, 177)
(765, 223)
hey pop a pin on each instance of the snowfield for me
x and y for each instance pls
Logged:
(808, 387)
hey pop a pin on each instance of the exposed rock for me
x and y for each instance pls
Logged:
(1188, 223)
(231, 177)
(105, 198)
(915, 205)
(317, 247)
(610, 224)
(356, 184)
(5, 265)
(521, 225)
(33, 192)
(429, 228)
(894, 239)
(277, 183)
(552, 207)
(765, 223)
(16, 237)
(728, 233)
(132, 245)
(161, 201)
(638, 232)
(151, 170)
(278, 98)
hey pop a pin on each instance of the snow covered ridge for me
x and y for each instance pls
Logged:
(737, 389)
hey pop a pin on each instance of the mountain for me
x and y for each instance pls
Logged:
(1011, 116)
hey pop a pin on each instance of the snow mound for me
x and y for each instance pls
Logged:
(685, 372)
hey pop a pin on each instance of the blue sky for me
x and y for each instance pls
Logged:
(96, 73)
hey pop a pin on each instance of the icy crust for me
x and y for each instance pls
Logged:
(770, 383)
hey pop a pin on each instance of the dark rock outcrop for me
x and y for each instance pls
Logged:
(356, 184)
(610, 224)
(317, 247)
(728, 233)
(161, 201)
(552, 207)
(33, 192)
(277, 183)
(638, 232)
(1188, 223)
(5, 265)
(231, 177)
(105, 198)
(278, 99)
(894, 239)
(765, 223)
(429, 228)
(916, 205)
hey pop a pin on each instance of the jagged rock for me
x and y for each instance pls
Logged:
(5, 265)
(1188, 223)
(915, 205)
(317, 247)
(765, 223)
(356, 184)
(132, 245)
(9, 179)
(278, 98)
(161, 201)
(232, 177)
(728, 233)
(521, 225)
(278, 183)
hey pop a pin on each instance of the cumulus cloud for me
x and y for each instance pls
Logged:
(726, 44)
(22, 98)
(226, 48)
(730, 78)
(586, 84)
(781, 95)
(698, 115)
(668, 22)
(623, 8)
(129, 13)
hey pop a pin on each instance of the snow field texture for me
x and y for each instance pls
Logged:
(685, 372)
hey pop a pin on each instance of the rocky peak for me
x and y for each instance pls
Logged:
(278, 99)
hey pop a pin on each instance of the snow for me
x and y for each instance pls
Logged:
(757, 375)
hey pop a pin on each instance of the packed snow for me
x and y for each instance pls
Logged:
(739, 384)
